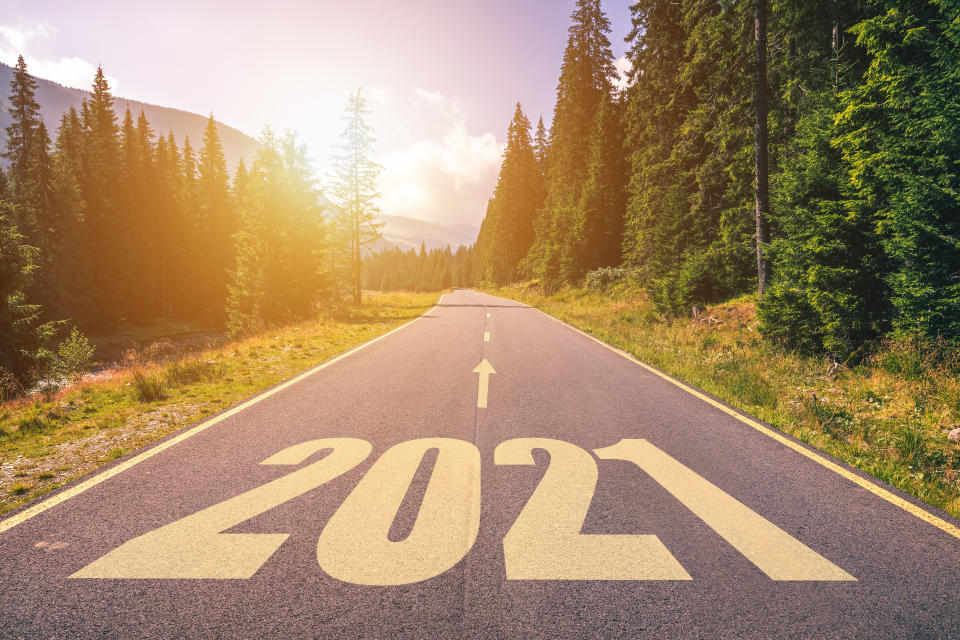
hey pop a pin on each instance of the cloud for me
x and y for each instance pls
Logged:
(623, 67)
(446, 177)
(449, 108)
(68, 71)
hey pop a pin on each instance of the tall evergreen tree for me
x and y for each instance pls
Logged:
(282, 262)
(586, 80)
(761, 151)
(107, 228)
(24, 337)
(827, 291)
(70, 263)
(216, 220)
(598, 218)
(24, 120)
(507, 232)
(541, 146)
(354, 188)
(900, 136)
(691, 211)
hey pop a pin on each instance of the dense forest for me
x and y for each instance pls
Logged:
(814, 144)
(805, 152)
(110, 222)
(393, 269)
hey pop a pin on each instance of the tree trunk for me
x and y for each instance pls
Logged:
(356, 259)
(356, 195)
(761, 178)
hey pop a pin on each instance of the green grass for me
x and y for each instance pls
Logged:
(93, 423)
(888, 416)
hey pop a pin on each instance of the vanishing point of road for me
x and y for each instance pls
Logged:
(482, 472)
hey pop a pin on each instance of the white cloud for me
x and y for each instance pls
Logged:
(447, 180)
(68, 71)
(623, 67)
(449, 108)
(446, 176)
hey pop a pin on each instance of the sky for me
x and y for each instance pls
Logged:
(442, 76)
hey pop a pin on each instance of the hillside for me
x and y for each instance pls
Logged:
(55, 100)
(409, 233)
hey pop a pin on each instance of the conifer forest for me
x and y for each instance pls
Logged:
(804, 152)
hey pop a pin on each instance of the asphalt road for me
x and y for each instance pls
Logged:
(431, 516)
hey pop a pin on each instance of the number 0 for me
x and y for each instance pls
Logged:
(354, 546)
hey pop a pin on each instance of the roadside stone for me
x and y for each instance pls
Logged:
(954, 436)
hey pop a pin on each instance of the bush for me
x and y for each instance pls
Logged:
(74, 356)
(604, 278)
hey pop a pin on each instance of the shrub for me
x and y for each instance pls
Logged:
(74, 356)
(604, 278)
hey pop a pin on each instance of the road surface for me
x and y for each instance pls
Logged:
(483, 472)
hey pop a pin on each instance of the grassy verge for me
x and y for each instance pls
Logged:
(46, 442)
(889, 416)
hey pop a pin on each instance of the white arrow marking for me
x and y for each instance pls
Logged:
(484, 369)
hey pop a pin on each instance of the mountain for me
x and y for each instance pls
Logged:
(410, 233)
(55, 100)
(405, 233)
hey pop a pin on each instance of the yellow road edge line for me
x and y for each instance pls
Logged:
(872, 487)
(76, 490)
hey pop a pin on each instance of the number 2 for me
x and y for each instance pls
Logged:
(545, 542)
(193, 547)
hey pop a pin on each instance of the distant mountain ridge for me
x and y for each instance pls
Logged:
(410, 233)
(55, 100)
(407, 233)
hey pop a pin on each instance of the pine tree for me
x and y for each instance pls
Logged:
(585, 81)
(23, 348)
(541, 147)
(282, 266)
(175, 238)
(247, 287)
(900, 136)
(24, 120)
(192, 254)
(141, 202)
(598, 218)
(691, 214)
(46, 231)
(107, 229)
(827, 292)
(507, 231)
(70, 268)
(354, 188)
(656, 232)
(217, 221)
